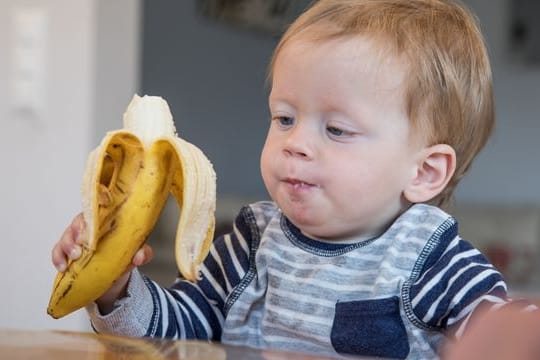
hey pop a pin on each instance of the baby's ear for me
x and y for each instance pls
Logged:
(435, 168)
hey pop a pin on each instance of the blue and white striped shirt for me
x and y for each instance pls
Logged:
(266, 285)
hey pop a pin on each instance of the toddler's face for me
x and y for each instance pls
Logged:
(338, 154)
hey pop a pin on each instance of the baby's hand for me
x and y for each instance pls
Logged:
(69, 248)
(69, 245)
(505, 334)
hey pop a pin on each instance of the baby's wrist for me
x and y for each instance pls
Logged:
(118, 291)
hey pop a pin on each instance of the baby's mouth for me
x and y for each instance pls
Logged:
(299, 184)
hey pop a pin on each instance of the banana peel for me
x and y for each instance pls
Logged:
(127, 181)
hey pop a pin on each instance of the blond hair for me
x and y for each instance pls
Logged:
(449, 95)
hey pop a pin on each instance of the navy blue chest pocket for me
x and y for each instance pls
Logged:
(371, 328)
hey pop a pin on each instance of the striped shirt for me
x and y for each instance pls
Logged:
(266, 285)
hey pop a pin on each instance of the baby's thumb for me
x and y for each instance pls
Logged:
(143, 256)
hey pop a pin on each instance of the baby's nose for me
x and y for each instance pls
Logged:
(299, 143)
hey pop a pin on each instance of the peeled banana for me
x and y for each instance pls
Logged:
(127, 181)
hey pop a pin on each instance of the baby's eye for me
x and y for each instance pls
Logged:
(335, 131)
(285, 120)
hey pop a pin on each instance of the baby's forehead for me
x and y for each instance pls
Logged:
(380, 44)
(394, 68)
(365, 53)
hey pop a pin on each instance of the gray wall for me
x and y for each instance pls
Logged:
(213, 77)
(508, 171)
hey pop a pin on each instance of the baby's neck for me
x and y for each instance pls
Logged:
(345, 240)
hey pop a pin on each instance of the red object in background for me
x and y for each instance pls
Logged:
(517, 264)
(500, 256)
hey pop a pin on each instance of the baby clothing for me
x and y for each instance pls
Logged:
(266, 285)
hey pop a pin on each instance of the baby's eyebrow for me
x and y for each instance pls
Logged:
(280, 102)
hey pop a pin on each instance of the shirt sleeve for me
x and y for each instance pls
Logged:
(186, 310)
(456, 280)
(131, 315)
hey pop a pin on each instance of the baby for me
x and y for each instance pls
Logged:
(378, 109)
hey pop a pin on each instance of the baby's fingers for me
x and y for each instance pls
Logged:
(78, 226)
(68, 247)
(63, 251)
(143, 256)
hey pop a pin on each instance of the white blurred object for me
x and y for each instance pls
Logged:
(29, 43)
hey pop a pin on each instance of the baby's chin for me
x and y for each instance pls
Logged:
(315, 220)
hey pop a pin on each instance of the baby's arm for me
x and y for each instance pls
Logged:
(457, 291)
(453, 282)
(186, 310)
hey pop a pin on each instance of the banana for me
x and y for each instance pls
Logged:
(127, 180)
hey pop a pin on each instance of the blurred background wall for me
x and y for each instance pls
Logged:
(69, 68)
(213, 77)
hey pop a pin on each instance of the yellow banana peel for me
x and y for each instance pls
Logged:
(128, 179)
